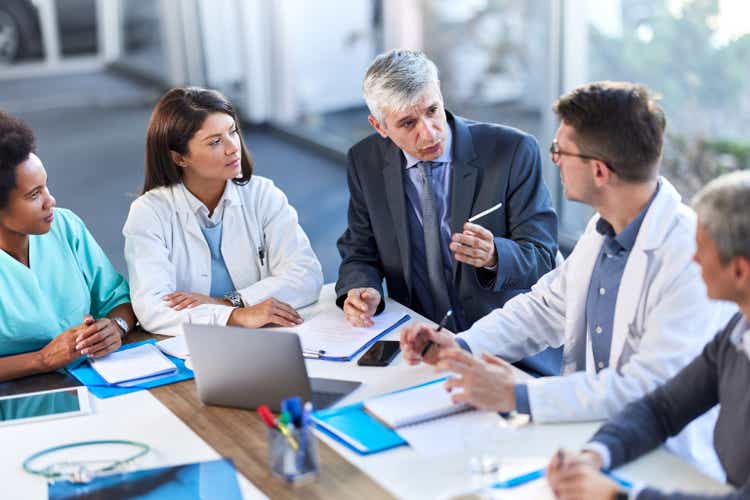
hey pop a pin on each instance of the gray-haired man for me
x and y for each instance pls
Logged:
(416, 181)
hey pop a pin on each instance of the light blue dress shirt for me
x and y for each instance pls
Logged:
(441, 186)
(211, 227)
(221, 281)
(69, 276)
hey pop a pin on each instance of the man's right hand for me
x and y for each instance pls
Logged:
(62, 349)
(269, 312)
(414, 339)
(360, 306)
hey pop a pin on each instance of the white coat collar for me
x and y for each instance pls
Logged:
(186, 202)
(658, 221)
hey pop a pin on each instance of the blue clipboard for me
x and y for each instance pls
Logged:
(359, 431)
(99, 387)
(404, 319)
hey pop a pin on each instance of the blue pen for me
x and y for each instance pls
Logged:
(307, 414)
(294, 407)
(537, 474)
(519, 480)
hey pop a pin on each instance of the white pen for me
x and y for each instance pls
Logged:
(313, 354)
(486, 212)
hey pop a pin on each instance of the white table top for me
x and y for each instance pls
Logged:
(408, 475)
(136, 416)
(139, 416)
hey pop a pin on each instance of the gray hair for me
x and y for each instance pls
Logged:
(722, 207)
(396, 79)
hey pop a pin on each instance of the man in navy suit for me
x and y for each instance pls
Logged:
(413, 185)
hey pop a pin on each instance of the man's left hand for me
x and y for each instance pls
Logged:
(577, 480)
(475, 246)
(487, 383)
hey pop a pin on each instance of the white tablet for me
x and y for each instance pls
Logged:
(44, 405)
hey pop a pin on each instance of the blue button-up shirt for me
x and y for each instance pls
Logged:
(601, 299)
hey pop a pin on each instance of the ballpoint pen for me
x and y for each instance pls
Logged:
(485, 212)
(267, 416)
(440, 327)
(313, 354)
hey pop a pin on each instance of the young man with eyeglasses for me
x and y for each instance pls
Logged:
(628, 304)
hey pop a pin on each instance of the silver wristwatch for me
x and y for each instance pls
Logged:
(235, 298)
(122, 324)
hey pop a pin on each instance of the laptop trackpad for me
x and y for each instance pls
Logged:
(326, 391)
(330, 385)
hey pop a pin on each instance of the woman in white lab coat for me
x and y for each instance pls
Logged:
(208, 242)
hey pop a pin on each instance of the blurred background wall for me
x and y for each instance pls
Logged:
(86, 73)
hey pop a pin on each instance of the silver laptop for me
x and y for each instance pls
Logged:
(246, 368)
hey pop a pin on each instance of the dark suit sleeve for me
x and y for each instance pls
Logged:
(652, 494)
(528, 252)
(360, 262)
(646, 423)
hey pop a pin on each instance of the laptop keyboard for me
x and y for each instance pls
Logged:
(323, 400)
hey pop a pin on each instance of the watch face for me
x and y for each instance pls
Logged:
(235, 298)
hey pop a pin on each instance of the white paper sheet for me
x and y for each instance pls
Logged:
(329, 332)
(135, 363)
(414, 405)
(453, 435)
(175, 346)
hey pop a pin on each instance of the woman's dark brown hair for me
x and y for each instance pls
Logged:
(178, 115)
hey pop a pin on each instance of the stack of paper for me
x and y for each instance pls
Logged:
(330, 336)
(133, 366)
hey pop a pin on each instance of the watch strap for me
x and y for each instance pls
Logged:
(122, 324)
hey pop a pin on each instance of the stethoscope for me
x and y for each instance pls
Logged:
(80, 471)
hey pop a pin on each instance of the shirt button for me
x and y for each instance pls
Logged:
(600, 364)
(602, 291)
(598, 329)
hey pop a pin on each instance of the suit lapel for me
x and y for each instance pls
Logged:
(464, 180)
(396, 199)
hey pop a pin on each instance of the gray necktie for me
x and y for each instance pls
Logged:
(432, 241)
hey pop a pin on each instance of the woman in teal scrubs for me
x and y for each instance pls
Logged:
(60, 297)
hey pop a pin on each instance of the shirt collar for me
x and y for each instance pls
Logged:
(446, 157)
(197, 206)
(739, 336)
(626, 238)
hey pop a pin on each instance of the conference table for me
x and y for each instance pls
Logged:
(180, 430)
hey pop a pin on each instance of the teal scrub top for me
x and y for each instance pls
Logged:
(68, 276)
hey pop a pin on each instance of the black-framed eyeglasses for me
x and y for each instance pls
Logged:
(555, 154)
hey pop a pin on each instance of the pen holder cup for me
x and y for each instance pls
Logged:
(289, 464)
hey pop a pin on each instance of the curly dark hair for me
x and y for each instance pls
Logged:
(16, 144)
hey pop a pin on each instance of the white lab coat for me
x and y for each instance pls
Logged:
(662, 321)
(166, 251)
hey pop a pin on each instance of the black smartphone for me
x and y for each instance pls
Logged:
(380, 353)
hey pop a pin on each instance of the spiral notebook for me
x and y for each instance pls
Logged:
(362, 426)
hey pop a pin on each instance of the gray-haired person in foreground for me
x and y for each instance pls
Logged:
(416, 181)
(720, 375)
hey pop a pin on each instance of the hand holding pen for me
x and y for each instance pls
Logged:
(475, 245)
(419, 341)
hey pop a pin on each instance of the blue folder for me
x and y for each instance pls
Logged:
(379, 336)
(101, 389)
(352, 426)
(211, 480)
